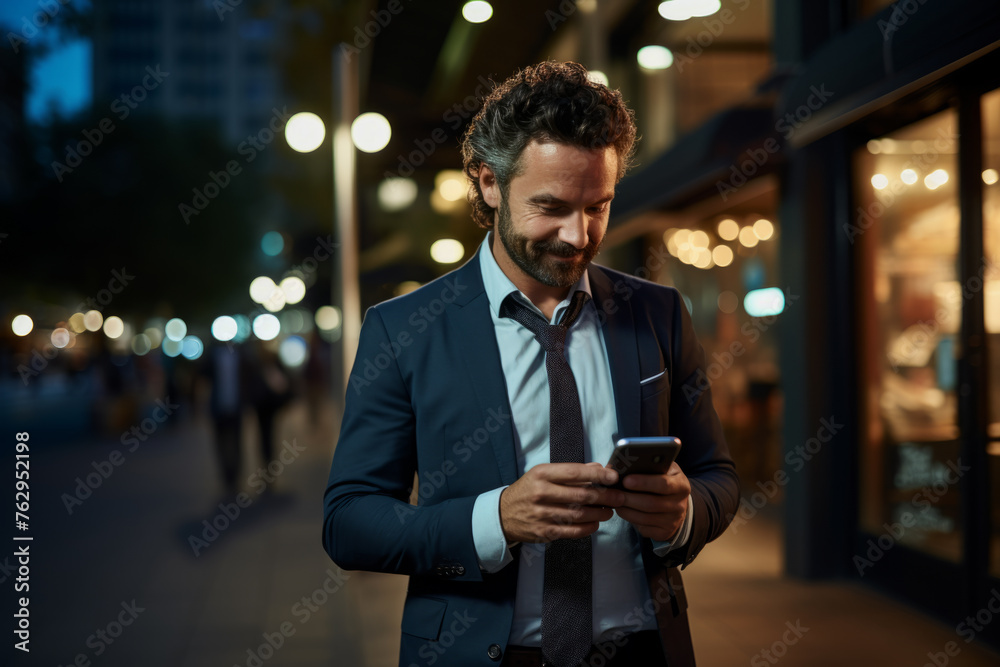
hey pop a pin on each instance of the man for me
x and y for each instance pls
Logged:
(504, 386)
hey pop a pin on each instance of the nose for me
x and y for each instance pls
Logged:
(574, 230)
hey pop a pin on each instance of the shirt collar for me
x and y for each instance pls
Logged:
(498, 285)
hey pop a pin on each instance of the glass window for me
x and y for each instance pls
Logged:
(991, 275)
(725, 264)
(906, 230)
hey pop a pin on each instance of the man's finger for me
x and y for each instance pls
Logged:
(576, 473)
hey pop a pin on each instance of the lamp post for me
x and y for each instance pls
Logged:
(369, 132)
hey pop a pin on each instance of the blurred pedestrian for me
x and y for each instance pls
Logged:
(226, 368)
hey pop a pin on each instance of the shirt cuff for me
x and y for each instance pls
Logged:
(663, 548)
(487, 533)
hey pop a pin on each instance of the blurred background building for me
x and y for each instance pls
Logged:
(818, 178)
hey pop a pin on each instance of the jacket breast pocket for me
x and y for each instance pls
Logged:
(654, 384)
(654, 392)
(423, 616)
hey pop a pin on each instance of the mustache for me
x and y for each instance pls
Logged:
(561, 249)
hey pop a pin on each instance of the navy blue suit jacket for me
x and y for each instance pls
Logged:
(427, 395)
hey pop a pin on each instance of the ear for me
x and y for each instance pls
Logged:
(488, 186)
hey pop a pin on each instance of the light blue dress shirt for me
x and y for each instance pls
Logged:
(619, 581)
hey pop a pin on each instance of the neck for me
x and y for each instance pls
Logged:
(545, 297)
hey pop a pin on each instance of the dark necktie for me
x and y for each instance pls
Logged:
(566, 594)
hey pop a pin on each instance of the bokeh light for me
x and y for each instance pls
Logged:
(728, 229)
(261, 289)
(176, 329)
(328, 318)
(908, 176)
(171, 348)
(141, 344)
(224, 328)
(76, 324)
(272, 243)
(305, 132)
(447, 251)
(93, 320)
(396, 193)
(990, 176)
(114, 327)
(722, 255)
(266, 326)
(477, 11)
(763, 229)
(880, 181)
(22, 325)
(597, 76)
(654, 57)
(61, 337)
(371, 132)
(293, 351)
(764, 302)
(192, 347)
(747, 237)
(293, 289)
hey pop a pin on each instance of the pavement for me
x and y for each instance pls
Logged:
(155, 567)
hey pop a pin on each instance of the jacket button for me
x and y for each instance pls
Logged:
(494, 652)
(460, 570)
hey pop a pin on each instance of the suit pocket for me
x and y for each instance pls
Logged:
(423, 616)
(653, 385)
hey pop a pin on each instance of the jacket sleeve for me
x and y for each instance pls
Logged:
(704, 456)
(368, 522)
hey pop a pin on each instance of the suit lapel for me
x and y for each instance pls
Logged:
(480, 355)
(615, 313)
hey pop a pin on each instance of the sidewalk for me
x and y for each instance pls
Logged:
(135, 577)
(741, 606)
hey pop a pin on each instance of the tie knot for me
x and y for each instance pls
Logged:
(552, 337)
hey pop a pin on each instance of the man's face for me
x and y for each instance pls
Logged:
(552, 222)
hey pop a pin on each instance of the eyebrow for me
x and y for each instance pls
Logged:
(546, 198)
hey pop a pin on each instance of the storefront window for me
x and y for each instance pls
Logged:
(725, 264)
(991, 265)
(906, 229)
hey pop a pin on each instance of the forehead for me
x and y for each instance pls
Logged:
(552, 165)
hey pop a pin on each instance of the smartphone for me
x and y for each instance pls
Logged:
(647, 456)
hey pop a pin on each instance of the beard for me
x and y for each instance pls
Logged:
(533, 257)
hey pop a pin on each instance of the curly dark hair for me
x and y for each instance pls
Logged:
(549, 101)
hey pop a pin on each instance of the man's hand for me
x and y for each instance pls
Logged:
(658, 512)
(555, 501)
